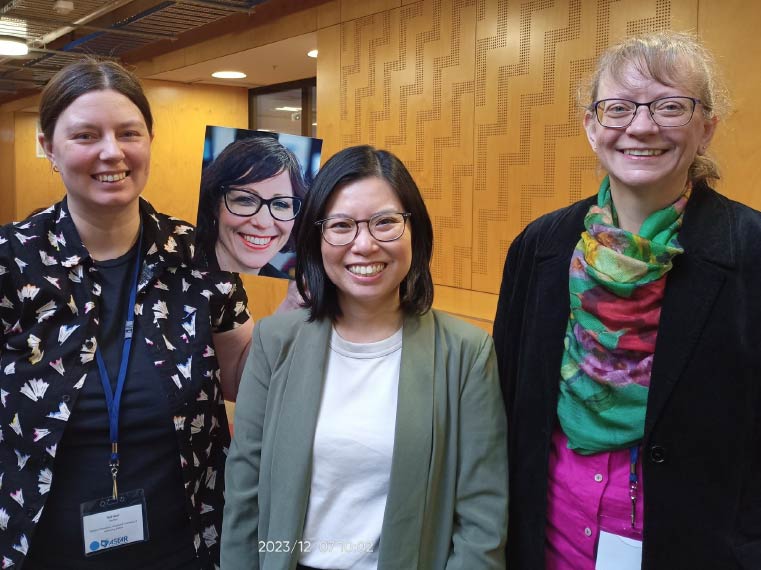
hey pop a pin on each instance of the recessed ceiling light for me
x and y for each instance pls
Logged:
(312, 53)
(11, 45)
(228, 74)
(289, 109)
(63, 7)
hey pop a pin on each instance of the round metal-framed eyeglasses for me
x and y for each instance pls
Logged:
(246, 204)
(665, 111)
(342, 230)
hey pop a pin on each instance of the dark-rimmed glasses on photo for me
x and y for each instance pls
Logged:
(246, 204)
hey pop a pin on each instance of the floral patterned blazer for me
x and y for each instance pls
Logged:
(49, 306)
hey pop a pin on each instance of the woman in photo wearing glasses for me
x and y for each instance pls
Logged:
(369, 431)
(629, 342)
(250, 197)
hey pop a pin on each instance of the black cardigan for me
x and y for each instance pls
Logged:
(702, 443)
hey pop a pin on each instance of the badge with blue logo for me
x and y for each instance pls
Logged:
(111, 523)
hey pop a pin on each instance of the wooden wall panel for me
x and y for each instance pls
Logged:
(37, 186)
(478, 98)
(352, 10)
(181, 113)
(264, 294)
(730, 30)
(407, 85)
(7, 167)
(328, 90)
(328, 14)
(531, 154)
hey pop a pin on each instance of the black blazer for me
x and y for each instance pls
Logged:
(702, 443)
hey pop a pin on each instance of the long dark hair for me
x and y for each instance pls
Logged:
(349, 165)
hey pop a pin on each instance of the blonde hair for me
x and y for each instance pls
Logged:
(672, 58)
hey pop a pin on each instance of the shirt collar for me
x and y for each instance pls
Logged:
(64, 237)
(167, 241)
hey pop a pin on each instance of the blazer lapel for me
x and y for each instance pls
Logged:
(691, 290)
(548, 319)
(413, 440)
(551, 315)
(294, 436)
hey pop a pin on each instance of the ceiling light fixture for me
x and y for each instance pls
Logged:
(228, 74)
(312, 53)
(63, 7)
(11, 45)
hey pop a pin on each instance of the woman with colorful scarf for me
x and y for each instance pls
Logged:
(628, 334)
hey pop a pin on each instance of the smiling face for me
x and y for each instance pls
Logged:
(102, 147)
(246, 245)
(367, 272)
(643, 158)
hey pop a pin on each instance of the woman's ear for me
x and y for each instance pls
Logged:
(709, 128)
(590, 127)
(48, 148)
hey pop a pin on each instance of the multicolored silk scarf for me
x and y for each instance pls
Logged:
(617, 282)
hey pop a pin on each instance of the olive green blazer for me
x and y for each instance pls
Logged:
(447, 499)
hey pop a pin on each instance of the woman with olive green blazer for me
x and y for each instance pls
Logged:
(447, 499)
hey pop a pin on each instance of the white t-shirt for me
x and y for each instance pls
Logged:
(353, 446)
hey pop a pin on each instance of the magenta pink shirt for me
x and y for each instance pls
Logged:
(586, 494)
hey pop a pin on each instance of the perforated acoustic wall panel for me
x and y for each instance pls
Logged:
(478, 97)
(531, 155)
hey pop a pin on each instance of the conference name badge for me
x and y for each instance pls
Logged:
(616, 552)
(109, 523)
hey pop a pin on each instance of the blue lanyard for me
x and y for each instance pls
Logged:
(113, 400)
(633, 482)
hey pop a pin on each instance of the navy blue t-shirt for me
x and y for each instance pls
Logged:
(148, 454)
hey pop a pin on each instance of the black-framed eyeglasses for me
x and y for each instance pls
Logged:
(342, 230)
(246, 204)
(665, 111)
